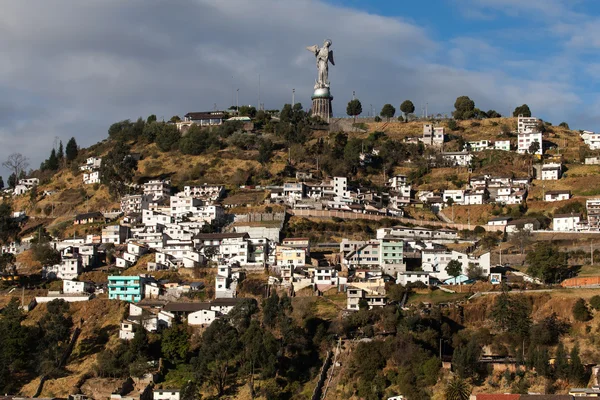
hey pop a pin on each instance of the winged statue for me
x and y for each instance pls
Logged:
(324, 56)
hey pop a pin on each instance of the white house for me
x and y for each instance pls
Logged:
(433, 136)
(92, 163)
(157, 189)
(203, 317)
(457, 196)
(474, 197)
(478, 145)
(591, 139)
(397, 181)
(406, 277)
(92, 177)
(566, 222)
(525, 141)
(527, 124)
(135, 203)
(70, 286)
(115, 234)
(551, 171)
(165, 394)
(460, 158)
(557, 195)
(503, 145)
(25, 185)
(499, 221)
(204, 192)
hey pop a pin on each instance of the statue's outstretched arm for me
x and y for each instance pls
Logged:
(314, 49)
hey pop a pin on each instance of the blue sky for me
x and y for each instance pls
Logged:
(86, 64)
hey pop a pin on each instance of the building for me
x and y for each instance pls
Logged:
(91, 164)
(70, 286)
(135, 203)
(204, 192)
(477, 145)
(499, 221)
(25, 185)
(525, 141)
(462, 159)
(527, 124)
(557, 195)
(433, 136)
(593, 213)
(115, 234)
(165, 394)
(92, 177)
(503, 145)
(290, 256)
(411, 277)
(591, 139)
(530, 224)
(457, 196)
(370, 298)
(127, 288)
(89, 218)
(566, 222)
(592, 160)
(157, 189)
(204, 118)
(551, 171)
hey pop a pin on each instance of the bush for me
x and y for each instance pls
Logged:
(452, 125)
(595, 302)
(475, 124)
(479, 230)
(494, 123)
(564, 125)
(377, 118)
(581, 312)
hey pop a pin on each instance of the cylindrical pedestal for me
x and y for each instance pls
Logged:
(321, 103)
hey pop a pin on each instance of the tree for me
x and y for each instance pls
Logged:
(265, 151)
(61, 153)
(522, 110)
(9, 228)
(17, 164)
(12, 181)
(577, 373)
(175, 118)
(457, 389)
(581, 312)
(521, 238)
(117, 169)
(474, 271)
(52, 161)
(464, 108)
(452, 125)
(493, 114)
(595, 302)
(561, 362)
(175, 343)
(388, 111)
(71, 149)
(454, 268)
(151, 118)
(45, 254)
(534, 147)
(512, 314)
(168, 138)
(407, 107)
(1, 183)
(564, 125)
(249, 111)
(354, 108)
(546, 262)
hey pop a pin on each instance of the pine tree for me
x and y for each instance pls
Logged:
(12, 180)
(61, 154)
(52, 162)
(71, 149)
(561, 364)
(1, 183)
(576, 368)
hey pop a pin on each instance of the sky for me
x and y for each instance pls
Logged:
(70, 68)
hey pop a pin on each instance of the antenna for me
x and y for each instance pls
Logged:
(259, 91)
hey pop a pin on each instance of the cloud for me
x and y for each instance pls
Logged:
(72, 68)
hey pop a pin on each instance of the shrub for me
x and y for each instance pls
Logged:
(452, 125)
(564, 125)
(581, 312)
(475, 124)
(595, 302)
(494, 123)
(377, 118)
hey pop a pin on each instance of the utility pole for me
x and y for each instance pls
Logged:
(293, 97)
(426, 110)
(353, 95)
(237, 103)
(258, 92)
(592, 252)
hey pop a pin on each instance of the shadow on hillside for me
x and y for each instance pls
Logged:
(95, 342)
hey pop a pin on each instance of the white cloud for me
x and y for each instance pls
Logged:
(72, 68)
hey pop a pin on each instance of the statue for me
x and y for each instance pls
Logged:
(324, 56)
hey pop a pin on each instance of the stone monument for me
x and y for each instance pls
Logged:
(321, 98)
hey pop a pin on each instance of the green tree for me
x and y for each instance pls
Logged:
(512, 314)
(168, 138)
(457, 389)
(248, 111)
(465, 359)
(61, 153)
(564, 125)
(577, 373)
(464, 108)
(175, 343)
(580, 311)
(354, 108)
(493, 114)
(118, 169)
(175, 118)
(452, 125)
(240, 316)
(388, 111)
(52, 161)
(454, 268)
(45, 254)
(12, 181)
(151, 118)
(595, 302)
(546, 262)
(561, 362)
(1, 183)
(265, 151)
(71, 150)
(9, 228)
(407, 107)
(521, 238)
(534, 147)
(522, 110)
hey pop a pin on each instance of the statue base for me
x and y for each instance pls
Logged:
(321, 103)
